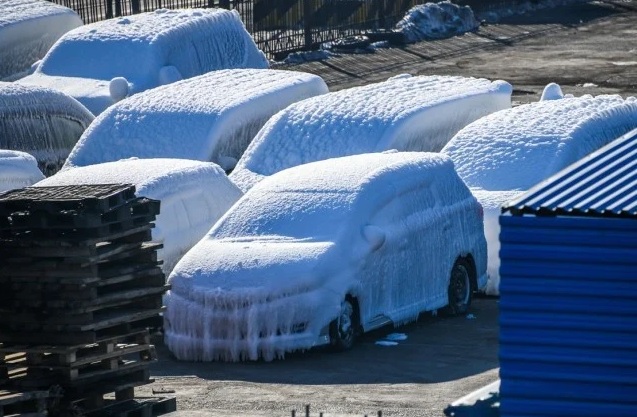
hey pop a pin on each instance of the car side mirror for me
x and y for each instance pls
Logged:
(374, 236)
(34, 66)
(118, 88)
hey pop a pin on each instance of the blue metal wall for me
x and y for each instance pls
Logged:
(568, 316)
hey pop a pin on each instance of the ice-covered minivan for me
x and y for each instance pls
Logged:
(318, 253)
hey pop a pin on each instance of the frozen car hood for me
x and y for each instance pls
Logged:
(267, 266)
(93, 94)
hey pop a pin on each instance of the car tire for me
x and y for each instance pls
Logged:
(460, 290)
(344, 329)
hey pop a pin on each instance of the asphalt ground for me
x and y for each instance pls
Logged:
(587, 48)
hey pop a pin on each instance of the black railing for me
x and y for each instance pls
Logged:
(280, 26)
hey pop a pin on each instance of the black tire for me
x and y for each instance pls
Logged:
(351, 43)
(460, 290)
(344, 329)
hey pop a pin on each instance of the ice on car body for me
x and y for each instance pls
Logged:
(147, 50)
(383, 228)
(42, 122)
(212, 117)
(504, 154)
(28, 29)
(405, 113)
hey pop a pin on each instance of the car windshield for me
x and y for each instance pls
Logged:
(101, 59)
(316, 215)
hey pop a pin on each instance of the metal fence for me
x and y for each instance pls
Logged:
(280, 26)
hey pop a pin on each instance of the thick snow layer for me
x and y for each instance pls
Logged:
(17, 170)
(271, 275)
(516, 148)
(193, 196)
(405, 113)
(212, 117)
(28, 28)
(146, 49)
(41, 121)
(437, 20)
(506, 153)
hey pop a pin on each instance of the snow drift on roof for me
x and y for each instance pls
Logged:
(404, 112)
(17, 170)
(28, 28)
(147, 41)
(515, 149)
(193, 195)
(16, 11)
(211, 117)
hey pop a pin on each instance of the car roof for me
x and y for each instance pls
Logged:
(355, 174)
(195, 118)
(145, 27)
(17, 11)
(518, 147)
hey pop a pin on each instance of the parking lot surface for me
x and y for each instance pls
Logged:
(587, 49)
(441, 360)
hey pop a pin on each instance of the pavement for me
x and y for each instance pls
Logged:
(587, 48)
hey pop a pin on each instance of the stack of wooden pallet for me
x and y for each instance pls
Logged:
(81, 290)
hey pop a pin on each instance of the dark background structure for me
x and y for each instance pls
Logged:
(283, 26)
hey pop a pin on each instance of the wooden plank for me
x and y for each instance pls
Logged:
(82, 337)
(141, 336)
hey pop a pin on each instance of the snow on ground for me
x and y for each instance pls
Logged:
(437, 20)
(273, 272)
(17, 170)
(212, 117)
(508, 152)
(193, 196)
(147, 50)
(41, 121)
(405, 113)
(28, 28)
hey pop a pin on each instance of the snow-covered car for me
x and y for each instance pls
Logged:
(318, 253)
(103, 62)
(193, 195)
(504, 154)
(17, 170)
(28, 29)
(404, 113)
(211, 117)
(42, 122)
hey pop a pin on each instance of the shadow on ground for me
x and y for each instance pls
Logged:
(436, 350)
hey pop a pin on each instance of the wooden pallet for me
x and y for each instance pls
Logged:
(98, 197)
(76, 367)
(118, 325)
(28, 403)
(83, 219)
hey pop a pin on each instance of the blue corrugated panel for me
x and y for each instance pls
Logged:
(568, 316)
(602, 184)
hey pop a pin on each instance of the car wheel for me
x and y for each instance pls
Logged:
(343, 329)
(460, 290)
